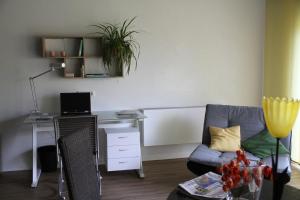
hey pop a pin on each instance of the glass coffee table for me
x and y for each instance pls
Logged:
(289, 193)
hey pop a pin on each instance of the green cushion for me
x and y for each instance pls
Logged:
(262, 144)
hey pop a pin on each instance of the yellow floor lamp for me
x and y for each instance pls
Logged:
(280, 115)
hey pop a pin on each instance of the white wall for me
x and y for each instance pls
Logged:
(193, 52)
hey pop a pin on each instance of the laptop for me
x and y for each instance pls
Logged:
(76, 103)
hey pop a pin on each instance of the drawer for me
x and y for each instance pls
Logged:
(123, 164)
(123, 151)
(123, 139)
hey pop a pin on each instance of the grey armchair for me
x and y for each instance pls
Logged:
(79, 166)
(251, 121)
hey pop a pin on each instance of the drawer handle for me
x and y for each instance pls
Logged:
(122, 137)
(122, 162)
(123, 149)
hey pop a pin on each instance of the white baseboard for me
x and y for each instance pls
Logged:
(168, 151)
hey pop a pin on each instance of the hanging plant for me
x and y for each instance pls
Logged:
(119, 47)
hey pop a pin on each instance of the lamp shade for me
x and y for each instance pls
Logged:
(280, 115)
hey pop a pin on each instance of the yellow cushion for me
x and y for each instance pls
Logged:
(225, 139)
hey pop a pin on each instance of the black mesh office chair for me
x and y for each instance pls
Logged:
(79, 166)
(67, 125)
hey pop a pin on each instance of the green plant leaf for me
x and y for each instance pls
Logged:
(118, 45)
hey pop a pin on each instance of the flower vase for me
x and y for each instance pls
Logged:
(248, 190)
(238, 192)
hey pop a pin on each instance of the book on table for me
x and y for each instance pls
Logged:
(208, 185)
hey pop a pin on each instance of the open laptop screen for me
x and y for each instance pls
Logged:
(76, 103)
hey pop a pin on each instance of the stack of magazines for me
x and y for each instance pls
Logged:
(208, 185)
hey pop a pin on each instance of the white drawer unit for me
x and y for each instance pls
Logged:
(123, 149)
(123, 164)
(123, 138)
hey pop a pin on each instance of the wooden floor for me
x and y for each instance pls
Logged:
(161, 178)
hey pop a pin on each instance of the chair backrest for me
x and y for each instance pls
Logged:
(251, 120)
(66, 125)
(79, 167)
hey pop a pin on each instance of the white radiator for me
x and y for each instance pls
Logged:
(167, 126)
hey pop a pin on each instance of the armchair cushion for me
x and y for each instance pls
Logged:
(262, 145)
(203, 154)
(225, 139)
(206, 156)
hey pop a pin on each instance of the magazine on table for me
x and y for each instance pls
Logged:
(208, 185)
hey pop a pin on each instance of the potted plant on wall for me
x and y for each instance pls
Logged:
(119, 48)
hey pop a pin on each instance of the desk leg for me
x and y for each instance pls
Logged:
(36, 171)
(141, 170)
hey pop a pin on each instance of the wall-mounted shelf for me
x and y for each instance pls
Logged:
(82, 56)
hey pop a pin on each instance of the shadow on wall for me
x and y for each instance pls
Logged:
(3, 4)
(50, 103)
(13, 138)
(31, 46)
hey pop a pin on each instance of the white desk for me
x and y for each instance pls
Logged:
(39, 124)
(44, 123)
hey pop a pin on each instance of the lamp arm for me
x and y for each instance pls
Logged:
(33, 91)
(41, 74)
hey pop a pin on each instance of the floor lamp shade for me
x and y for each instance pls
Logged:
(280, 115)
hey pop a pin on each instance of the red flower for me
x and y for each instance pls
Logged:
(246, 161)
(232, 163)
(267, 171)
(233, 174)
(229, 183)
(225, 188)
